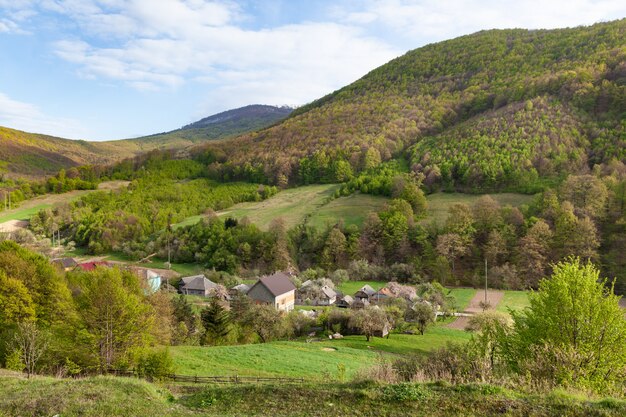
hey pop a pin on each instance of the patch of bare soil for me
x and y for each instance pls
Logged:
(13, 225)
(460, 323)
(494, 297)
(329, 349)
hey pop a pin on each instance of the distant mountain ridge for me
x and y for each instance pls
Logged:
(34, 155)
(252, 114)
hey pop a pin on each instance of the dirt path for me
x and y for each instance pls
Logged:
(12, 226)
(494, 297)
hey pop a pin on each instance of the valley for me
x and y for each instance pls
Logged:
(344, 244)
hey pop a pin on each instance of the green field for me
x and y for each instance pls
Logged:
(350, 287)
(312, 203)
(463, 296)
(439, 203)
(289, 359)
(27, 208)
(110, 396)
(514, 300)
(351, 209)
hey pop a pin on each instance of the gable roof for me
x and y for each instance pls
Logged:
(367, 290)
(329, 292)
(277, 284)
(65, 262)
(91, 266)
(198, 282)
(242, 288)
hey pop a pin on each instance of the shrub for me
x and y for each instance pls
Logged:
(156, 365)
(404, 392)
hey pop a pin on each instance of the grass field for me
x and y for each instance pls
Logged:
(289, 359)
(311, 203)
(352, 210)
(439, 203)
(463, 296)
(27, 208)
(350, 287)
(515, 300)
(130, 397)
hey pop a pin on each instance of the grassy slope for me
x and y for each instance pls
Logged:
(108, 396)
(29, 207)
(96, 396)
(439, 203)
(463, 296)
(514, 300)
(310, 203)
(291, 359)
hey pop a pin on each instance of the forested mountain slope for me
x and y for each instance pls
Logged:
(35, 155)
(429, 95)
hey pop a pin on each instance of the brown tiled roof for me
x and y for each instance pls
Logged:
(278, 283)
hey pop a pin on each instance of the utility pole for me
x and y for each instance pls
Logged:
(485, 281)
(169, 234)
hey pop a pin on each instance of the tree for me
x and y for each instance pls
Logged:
(32, 343)
(115, 314)
(573, 332)
(587, 193)
(460, 221)
(334, 252)
(16, 304)
(371, 159)
(266, 322)
(422, 314)
(369, 321)
(533, 253)
(451, 246)
(216, 322)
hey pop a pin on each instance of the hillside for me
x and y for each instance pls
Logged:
(575, 78)
(34, 155)
(110, 396)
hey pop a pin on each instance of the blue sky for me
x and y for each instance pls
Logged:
(112, 69)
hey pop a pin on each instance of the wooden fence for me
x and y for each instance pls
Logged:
(234, 379)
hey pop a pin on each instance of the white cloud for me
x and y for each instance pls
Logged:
(437, 20)
(164, 44)
(28, 117)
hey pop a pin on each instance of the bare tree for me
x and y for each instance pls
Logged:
(32, 342)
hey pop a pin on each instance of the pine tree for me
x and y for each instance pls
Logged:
(216, 321)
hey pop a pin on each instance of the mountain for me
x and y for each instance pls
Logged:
(495, 109)
(34, 155)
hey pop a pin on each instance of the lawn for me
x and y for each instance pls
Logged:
(439, 203)
(515, 300)
(289, 359)
(350, 287)
(23, 213)
(435, 337)
(463, 296)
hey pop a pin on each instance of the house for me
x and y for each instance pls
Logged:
(310, 293)
(364, 293)
(196, 285)
(91, 266)
(239, 289)
(381, 295)
(65, 264)
(345, 302)
(276, 290)
(152, 279)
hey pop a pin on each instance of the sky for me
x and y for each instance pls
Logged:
(113, 69)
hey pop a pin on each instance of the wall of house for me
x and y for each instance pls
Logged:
(285, 302)
(260, 294)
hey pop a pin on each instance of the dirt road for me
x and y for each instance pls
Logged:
(494, 297)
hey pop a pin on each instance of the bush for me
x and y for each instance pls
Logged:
(404, 392)
(14, 361)
(156, 365)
